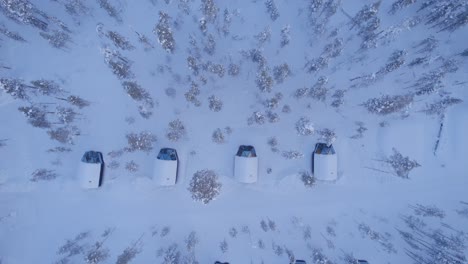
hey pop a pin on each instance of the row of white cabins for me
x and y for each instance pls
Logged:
(324, 166)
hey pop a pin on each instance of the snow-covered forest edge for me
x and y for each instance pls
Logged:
(384, 81)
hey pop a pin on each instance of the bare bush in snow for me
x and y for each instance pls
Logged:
(10, 34)
(59, 150)
(264, 226)
(273, 143)
(445, 15)
(396, 60)
(233, 232)
(400, 4)
(110, 9)
(402, 166)
(140, 142)
(119, 40)
(43, 175)
(57, 39)
(209, 10)
(277, 249)
(96, 254)
(47, 87)
(129, 253)
(176, 130)
(320, 258)
(427, 45)
(215, 68)
(263, 36)
(367, 23)
(307, 178)
(360, 130)
(382, 239)
(224, 246)
(429, 83)
(305, 127)
(286, 109)
(24, 12)
(37, 116)
(73, 247)
(272, 10)
(218, 136)
(272, 117)
(285, 36)
(439, 107)
(210, 45)
(388, 104)
(137, 93)
(191, 241)
(334, 49)
(428, 211)
(164, 33)
(132, 166)
(215, 104)
(204, 186)
(77, 101)
(113, 165)
(165, 231)
(65, 115)
(292, 154)
(119, 65)
(260, 244)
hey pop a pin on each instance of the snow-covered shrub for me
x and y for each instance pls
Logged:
(272, 117)
(286, 109)
(216, 68)
(176, 130)
(304, 127)
(319, 257)
(256, 56)
(264, 81)
(57, 39)
(440, 106)
(292, 154)
(277, 249)
(140, 142)
(334, 49)
(204, 186)
(272, 9)
(145, 41)
(264, 226)
(271, 224)
(113, 165)
(119, 40)
(164, 33)
(327, 136)
(43, 175)
(319, 91)
(224, 246)
(64, 135)
(429, 210)
(233, 69)
(307, 178)
(402, 166)
(111, 10)
(119, 65)
(14, 87)
(388, 104)
(290, 254)
(23, 11)
(315, 65)
(281, 72)
(137, 93)
(165, 231)
(396, 60)
(338, 98)
(273, 143)
(273, 103)
(257, 118)
(400, 4)
(129, 253)
(260, 244)
(263, 36)
(215, 103)
(193, 65)
(367, 23)
(47, 87)
(59, 150)
(209, 10)
(132, 166)
(36, 116)
(218, 136)
(191, 95)
(301, 92)
(73, 247)
(285, 36)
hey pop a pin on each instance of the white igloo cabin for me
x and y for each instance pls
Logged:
(325, 162)
(165, 167)
(246, 165)
(90, 169)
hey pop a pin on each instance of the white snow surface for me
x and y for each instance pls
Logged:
(37, 218)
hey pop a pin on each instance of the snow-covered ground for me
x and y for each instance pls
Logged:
(384, 81)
